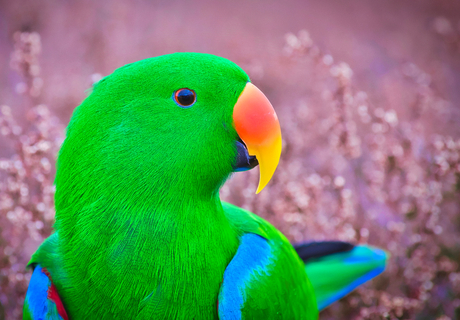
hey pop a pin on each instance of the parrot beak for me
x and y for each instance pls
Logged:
(257, 125)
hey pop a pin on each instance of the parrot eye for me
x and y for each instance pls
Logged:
(185, 97)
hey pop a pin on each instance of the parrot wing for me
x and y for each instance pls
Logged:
(336, 268)
(42, 299)
(265, 279)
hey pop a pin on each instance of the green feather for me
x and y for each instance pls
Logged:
(140, 231)
(334, 276)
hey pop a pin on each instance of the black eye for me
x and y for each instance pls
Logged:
(185, 97)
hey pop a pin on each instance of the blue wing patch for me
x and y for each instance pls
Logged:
(38, 303)
(251, 259)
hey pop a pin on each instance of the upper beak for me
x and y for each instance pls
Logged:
(257, 125)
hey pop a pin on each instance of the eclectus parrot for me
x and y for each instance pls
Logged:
(141, 232)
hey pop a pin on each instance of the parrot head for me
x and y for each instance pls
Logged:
(184, 121)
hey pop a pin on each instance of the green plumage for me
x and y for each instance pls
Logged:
(140, 230)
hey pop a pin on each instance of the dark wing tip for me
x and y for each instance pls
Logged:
(311, 250)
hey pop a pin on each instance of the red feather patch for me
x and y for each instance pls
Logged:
(54, 296)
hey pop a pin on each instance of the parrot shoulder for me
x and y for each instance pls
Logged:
(42, 299)
(245, 221)
(45, 283)
(46, 254)
(265, 278)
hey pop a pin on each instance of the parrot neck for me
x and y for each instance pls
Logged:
(176, 247)
(163, 222)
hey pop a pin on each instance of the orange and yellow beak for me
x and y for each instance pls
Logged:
(257, 125)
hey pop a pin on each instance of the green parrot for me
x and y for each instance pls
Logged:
(141, 232)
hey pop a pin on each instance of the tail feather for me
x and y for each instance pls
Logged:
(337, 268)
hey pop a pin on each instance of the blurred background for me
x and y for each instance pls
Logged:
(367, 92)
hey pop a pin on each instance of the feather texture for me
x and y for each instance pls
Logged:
(140, 230)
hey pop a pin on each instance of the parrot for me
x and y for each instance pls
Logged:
(140, 231)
